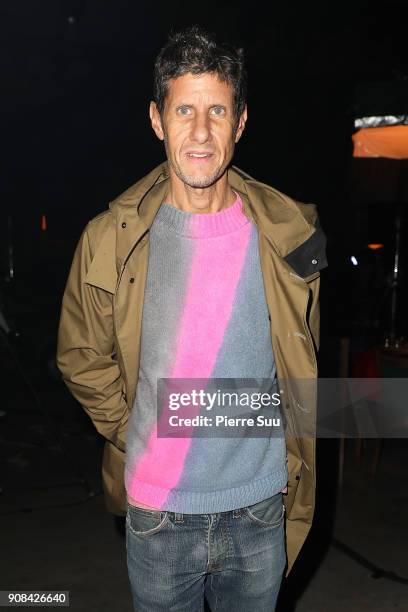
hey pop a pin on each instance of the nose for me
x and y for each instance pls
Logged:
(200, 131)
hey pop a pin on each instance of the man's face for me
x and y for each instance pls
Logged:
(198, 127)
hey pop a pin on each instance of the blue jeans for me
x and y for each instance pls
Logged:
(236, 558)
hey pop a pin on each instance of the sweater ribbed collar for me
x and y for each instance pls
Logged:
(203, 225)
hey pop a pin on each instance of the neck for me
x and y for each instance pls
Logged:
(200, 200)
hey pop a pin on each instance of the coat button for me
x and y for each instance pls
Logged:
(297, 477)
(123, 225)
(314, 261)
(131, 280)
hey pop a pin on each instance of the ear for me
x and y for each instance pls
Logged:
(156, 121)
(241, 124)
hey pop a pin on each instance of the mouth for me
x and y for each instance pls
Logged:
(198, 155)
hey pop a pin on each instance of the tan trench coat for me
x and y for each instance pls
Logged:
(100, 327)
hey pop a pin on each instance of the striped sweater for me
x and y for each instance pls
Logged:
(204, 316)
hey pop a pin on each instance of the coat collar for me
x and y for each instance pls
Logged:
(277, 216)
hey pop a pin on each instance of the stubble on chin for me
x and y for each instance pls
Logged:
(197, 181)
(191, 180)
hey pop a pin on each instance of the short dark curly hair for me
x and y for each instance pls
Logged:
(196, 51)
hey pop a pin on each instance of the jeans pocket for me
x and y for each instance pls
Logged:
(145, 522)
(268, 512)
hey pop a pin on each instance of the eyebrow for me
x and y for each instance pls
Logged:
(192, 105)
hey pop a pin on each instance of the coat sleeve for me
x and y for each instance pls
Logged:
(86, 354)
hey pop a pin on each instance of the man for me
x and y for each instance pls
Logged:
(198, 271)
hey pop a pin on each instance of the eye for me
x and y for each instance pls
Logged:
(184, 110)
(218, 110)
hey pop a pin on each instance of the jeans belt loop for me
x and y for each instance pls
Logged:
(178, 517)
(236, 513)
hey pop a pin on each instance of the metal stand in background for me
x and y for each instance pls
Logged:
(393, 336)
(390, 308)
(344, 368)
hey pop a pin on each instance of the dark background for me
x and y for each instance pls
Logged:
(76, 83)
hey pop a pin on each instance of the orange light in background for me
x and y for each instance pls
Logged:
(43, 223)
(375, 246)
(390, 141)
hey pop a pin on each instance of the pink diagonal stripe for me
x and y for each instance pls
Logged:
(207, 310)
